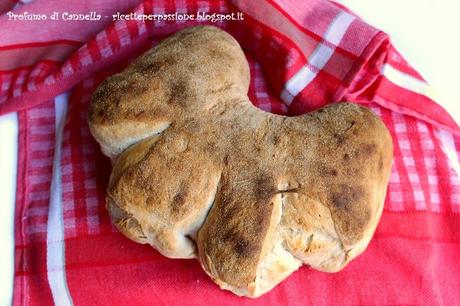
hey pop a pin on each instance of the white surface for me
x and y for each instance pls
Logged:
(55, 244)
(426, 33)
(8, 166)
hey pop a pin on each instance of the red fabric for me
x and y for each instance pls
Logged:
(412, 258)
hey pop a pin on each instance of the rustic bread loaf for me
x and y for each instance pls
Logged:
(200, 172)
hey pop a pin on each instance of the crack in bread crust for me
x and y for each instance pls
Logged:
(252, 195)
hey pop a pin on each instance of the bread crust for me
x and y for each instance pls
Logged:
(200, 172)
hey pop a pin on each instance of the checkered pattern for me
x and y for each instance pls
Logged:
(302, 56)
(37, 170)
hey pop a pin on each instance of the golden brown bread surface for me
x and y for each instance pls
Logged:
(200, 172)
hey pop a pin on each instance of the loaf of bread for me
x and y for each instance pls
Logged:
(199, 172)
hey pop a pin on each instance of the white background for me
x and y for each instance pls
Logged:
(426, 32)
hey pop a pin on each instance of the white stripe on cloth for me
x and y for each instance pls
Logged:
(8, 166)
(448, 146)
(55, 251)
(420, 87)
(407, 81)
(319, 57)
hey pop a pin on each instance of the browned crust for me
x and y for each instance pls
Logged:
(219, 151)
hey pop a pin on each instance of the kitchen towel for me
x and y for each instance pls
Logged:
(302, 55)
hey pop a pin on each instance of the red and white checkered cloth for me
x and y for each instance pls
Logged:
(302, 54)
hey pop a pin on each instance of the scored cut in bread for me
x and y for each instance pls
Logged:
(200, 172)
